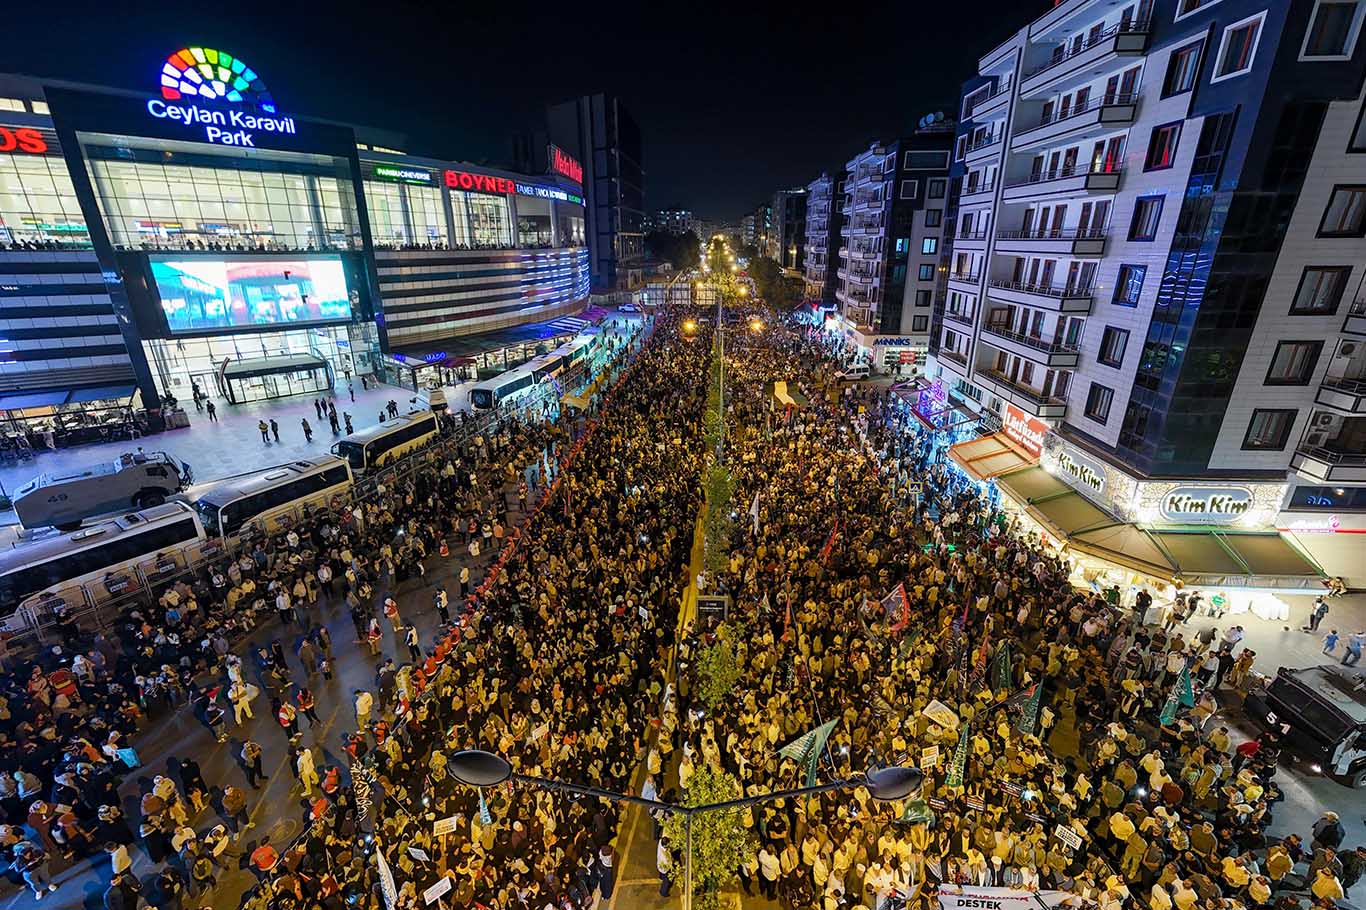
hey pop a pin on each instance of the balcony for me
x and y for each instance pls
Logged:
(1355, 323)
(1347, 396)
(987, 105)
(1023, 397)
(1099, 115)
(1328, 465)
(971, 279)
(1062, 182)
(983, 144)
(1087, 58)
(976, 240)
(1085, 244)
(977, 192)
(1050, 354)
(1057, 300)
(963, 319)
(957, 357)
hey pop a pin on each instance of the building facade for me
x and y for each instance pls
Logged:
(787, 240)
(202, 236)
(598, 131)
(889, 268)
(672, 221)
(824, 218)
(1156, 237)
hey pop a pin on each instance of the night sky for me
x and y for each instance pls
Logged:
(733, 102)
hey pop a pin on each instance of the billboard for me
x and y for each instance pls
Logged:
(202, 294)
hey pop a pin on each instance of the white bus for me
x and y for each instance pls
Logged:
(267, 497)
(498, 391)
(105, 558)
(383, 444)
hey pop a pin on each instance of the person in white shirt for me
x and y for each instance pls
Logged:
(769, 871)
(665, 864)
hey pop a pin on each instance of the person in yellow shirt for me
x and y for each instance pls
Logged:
(1326, 885)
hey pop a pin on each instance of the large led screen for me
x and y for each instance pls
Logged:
(204, 294)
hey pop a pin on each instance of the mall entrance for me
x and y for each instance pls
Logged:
(266, 378)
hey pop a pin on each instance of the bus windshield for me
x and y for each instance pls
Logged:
(208, 514)
(481, 398)
(353, 452)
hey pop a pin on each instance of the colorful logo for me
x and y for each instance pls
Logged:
(213, 75)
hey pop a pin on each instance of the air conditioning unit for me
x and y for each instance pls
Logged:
(1315, 438)
(1346, 349)
(1323, 419)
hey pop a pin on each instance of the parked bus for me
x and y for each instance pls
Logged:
(498, 391)
(562, 358)
(104, 558)
(271, 497)
(383, 444)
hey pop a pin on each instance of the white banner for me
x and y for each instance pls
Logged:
(953, 897)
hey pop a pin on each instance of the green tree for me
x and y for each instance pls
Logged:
(683, 251)
(720, 842)
(779, 291)
(717, 668)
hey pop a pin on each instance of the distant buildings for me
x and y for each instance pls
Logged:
(824, 218)
(672, 221)
(599, 132)
(787, 239)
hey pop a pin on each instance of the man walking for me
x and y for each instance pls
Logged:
(251, 764)
(364, 702)
(274, 429)
(265, 431)
(213, 411)
(308, 430)
(308, 773)
(1316, 614)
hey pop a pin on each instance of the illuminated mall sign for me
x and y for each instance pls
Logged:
(565, 165)
(1028, 432)
(1206, 505)
(547, 192)
(480, 183)
(22, 139)
(222, 127)
(402, 174)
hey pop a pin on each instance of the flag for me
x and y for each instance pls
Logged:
(1000, 671)
(960, 758)
(386, 879)
(1183, 685)
(485, 818)
(897, 604)
(960, 622)
(1181, 695)
(805, 750)
(830, 541)
(1029, 717)
(754, 511)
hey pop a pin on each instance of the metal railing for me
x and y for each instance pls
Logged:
(978, 102)
(1332, 456)
(989, 139)
(956, 316)
(1053, 234)
(956, 356)
(971, 235)
(1022, 390)
(964, 276)
(1344, 384)
(1038, 344)
(1094, 104)
(1088, 42)
(985, 186)
(1062, 173)
(1042, 290)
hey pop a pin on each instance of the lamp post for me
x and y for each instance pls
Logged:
(478, 768)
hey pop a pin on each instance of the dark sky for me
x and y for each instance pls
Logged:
(734, 100)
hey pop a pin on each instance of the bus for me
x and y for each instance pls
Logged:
(271, 497)
(104, 558)
(498, 391)
(562, 358)
(387, 442)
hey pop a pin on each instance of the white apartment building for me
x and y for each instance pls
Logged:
(1159, 231)
(823, 217)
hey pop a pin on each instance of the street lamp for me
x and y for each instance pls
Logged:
(478, 768)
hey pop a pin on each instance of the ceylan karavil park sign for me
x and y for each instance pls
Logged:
(222, 127)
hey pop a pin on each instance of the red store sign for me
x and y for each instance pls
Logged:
(1028, 432)
(22, 139)
(565, 165)
(483, 183)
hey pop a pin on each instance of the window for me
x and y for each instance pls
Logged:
(960, 148)
(921, 161)
(40, 107)
(929, 246)
(934, 217)
(922, 298)
(909, 188)
(920, 324)
(1098, 402)
(1238, 48)
(1320, 290)
(902, 246)
(1162, 147)
(12, 104)
(1293, 363)
(1129, 284)
(1333, 30)
(937, 188)
(1182, 68)
(1112, 345)
(1186, 7)
(1147, 214)
(1346, 213)
(1269, 429)
(927, 273)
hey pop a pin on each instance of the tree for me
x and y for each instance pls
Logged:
(780, 292)
(717, 669)
(683, 251)
(720, 842)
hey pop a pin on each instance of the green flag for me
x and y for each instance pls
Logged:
(960, 758)
(918, 812)
(1181, 695)
(1183, 686)
(485, 818)
(805, 750)
(1029, 716)
(1000, 670)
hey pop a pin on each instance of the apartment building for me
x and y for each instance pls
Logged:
(824, 218)
(787, 241)
(891, 247)
(672, 221)
(1160, 208)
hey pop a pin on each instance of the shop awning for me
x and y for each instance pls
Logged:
(1126, 545)
(101, 393)
(990, 456)
(32, 400)
(1226, 559)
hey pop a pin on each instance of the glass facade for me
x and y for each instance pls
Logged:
(490, 227)
(406, 216)
(38, 205)
(533, 223)
(156, 200)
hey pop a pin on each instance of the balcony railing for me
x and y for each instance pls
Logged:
(957, 357)
(1358, 308)
(990, 139)
(1067, 113)
(1333, 457)
(1344, 385)
(1038, 344)
(985, 186)
(1061, 173)
(971, 235)
(1042, 290)
(1023, 390)
(977, 102)
(965, 276)
(958, 317)
(1052, 234)
(1090, 41)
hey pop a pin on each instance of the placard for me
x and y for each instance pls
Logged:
(941, 714)
(929, 756)
(442, 885)
(1067, 836)
(444, 826)
(975, 802)
(419, 854)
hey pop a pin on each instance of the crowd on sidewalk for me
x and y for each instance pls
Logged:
(989, 650)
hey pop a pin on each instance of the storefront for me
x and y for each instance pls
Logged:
(62, 419)
(1329, 523)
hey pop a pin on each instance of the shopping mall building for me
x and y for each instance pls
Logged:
(199, 232)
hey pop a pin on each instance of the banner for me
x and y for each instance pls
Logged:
(1000, 671)
(897, 605)
(386, 880)
(941, 714)
(754, 511)
(960, 759)
(1029, 716)
(955, 897)
(806, 749)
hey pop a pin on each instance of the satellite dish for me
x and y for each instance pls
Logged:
(938, 116)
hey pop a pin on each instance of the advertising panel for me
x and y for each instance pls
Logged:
(202, 294)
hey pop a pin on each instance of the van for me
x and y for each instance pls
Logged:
(1320, 715)
(853, 373)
